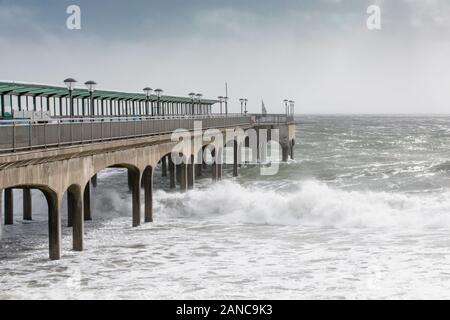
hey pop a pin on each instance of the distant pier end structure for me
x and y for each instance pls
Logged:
(56, 139)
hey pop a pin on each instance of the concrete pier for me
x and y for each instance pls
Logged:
(27, 206)
(284, 153)
(183, 177)
(9, 206)
(66, 160)
(148, 191)
(172, 183)
(136, 196)
(76, 216)
(54, 226)
(235, 158)
(164, 166)
(87, 202)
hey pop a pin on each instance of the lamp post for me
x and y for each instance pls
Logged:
(286, 101)
(199, 97)
(291, 107)
(243, 102)
(245, 106)
(148, 92)
(158, 94)
(192, 95)
(226, 104)
(220, 100)
(91, 87)
(70, 83)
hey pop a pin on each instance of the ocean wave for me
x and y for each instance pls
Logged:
(310, 203)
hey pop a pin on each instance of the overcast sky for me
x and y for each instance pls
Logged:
(318, 53)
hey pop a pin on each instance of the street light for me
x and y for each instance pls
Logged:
(221, 99)
(291, 106)
(91, 88)
(286, 101)
(192, 95)
(70, 83)
(226, 104)
(245, 104)
(158, 94)
(243, 101)
(199, 99)
(148, 91)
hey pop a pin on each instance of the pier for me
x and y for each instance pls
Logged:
(56, 139)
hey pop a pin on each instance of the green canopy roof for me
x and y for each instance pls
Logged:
(14, 88)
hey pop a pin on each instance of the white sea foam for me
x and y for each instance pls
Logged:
(309, 203)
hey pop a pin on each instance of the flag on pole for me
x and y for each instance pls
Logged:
(264, 110)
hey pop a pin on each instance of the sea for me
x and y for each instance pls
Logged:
(361, 212)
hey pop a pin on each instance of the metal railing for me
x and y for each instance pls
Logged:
(18, 135)
(273, 118)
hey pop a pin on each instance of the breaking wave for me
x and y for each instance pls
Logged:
(310, 203)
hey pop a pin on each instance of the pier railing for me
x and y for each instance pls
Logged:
(24, 134)
(273, 118)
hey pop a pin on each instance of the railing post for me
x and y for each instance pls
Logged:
(29, 135)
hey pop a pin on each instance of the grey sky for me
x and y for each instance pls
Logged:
(319, 53)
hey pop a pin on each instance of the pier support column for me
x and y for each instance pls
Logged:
(172, 173)
(148, 193)
(235, 158)
(94, 181)
(178, 173)
(284, 153)
(54, 226)
(76, 216)
(164, 166)
(214, 166)
(190, 174)
(136, 196)
(87, 202)
(183, 177)
(9, 206)
(27, 206)
(292, 150)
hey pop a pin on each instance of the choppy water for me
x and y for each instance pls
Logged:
(362, 212)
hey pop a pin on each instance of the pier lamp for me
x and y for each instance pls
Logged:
(91, 88)
(192, 95)
(158, 93)
(70, 83)
(199, 97)
(286, 101)
(226, 104)
(148, 91)
(221, 101)
(241, 100)
(245, 106)
(291, 106)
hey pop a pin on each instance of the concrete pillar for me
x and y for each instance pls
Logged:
(87, 202)
(75, 209)
(183, 177)
(172, 173)
(164, 166)
(235, 158)
(136, 196)
(190, 174)
(54, 226)
(27, 206)
(198, 170)
(292, 151)
(148, 193)
(285, 153)
(94, 181)
(178, 173)
(9, 206)
(214, 166)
